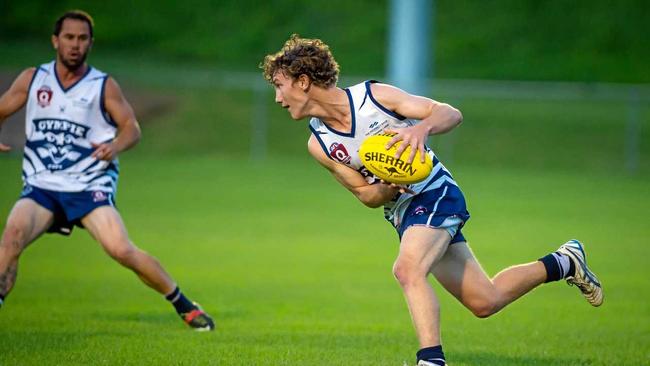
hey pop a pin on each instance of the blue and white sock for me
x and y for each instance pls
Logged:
(2, 300)
(433, 355)
(181, 303)
(558, 266)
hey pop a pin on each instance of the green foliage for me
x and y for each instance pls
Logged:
(548, 40)
(599, 40)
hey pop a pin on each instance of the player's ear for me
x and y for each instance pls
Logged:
(304, 82)
(55, 42)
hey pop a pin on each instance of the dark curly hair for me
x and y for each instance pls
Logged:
(300, 56)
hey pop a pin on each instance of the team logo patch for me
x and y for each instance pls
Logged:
(99, 196)
(56, 141)
(339, 153)
(44, 96)
(420, 210)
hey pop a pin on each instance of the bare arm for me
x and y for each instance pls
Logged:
(371, 195)
(436, 117)
(128, 129)
(14, 98)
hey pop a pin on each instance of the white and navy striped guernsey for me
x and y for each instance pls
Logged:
(369, 118)
(60, 125)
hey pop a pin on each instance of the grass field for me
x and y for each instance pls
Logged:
(298, 273)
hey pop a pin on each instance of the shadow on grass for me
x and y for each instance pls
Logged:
(166, 317)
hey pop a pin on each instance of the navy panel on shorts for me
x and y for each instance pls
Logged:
(68, 207)
(432, 207)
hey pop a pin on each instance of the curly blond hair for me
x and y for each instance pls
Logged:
(298, 56)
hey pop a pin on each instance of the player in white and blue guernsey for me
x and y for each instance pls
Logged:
(429, 215)
(77, 122)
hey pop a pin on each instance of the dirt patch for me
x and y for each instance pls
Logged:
(146, 104)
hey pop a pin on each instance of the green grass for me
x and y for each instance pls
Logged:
(296, 272)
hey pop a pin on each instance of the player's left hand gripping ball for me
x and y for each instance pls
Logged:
(383, 164)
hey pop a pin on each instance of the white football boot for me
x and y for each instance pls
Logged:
(583, 278)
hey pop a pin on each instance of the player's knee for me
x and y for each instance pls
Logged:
(407, 275)
(484, 308)
(124, 253)
(13, 239)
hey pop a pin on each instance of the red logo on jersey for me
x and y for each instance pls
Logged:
(44, 96)
(338, 152)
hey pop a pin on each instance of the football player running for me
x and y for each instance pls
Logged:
(428, 216)
(77, 122)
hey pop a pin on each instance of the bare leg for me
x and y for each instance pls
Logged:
(106, 226)
(420, 249)
(26, 222)
(461, 274)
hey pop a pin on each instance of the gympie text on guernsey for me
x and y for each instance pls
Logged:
(60, 125)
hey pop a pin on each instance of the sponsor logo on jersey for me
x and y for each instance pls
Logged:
(376, 127)
(339, 153)
(57, 148)
(44, 96)
(83, 103)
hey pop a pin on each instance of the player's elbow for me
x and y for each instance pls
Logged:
(372, 203)
(458, 116)
(447, 118)
(136, 134)
(455, 116)
(369, 201)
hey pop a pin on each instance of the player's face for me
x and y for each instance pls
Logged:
(73, 43)
(290, 95)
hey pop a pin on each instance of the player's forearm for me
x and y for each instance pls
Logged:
(4, 113)
(443, 118)
(127, 137)
(375, 195)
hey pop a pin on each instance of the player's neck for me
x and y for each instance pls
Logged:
(69, 76)
(332, 106)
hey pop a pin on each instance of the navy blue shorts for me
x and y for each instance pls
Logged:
(442, 208)
(68, 207)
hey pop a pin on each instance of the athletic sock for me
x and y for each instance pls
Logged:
(572, 268)
(558, 266)
(433, 355)
(180, 302)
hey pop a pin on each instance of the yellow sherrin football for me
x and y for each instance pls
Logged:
(383, 164)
